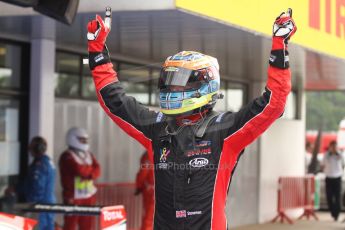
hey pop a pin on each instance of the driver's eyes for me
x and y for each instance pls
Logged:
(199, 75)
(83, 140)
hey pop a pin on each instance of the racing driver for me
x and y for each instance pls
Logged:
(194, 149)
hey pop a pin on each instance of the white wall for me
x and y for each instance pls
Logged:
(282, 154)
(242, 202)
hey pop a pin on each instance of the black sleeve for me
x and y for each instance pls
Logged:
(134, 118)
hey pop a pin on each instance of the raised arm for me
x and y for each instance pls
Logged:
(124, 110)
(258, 115)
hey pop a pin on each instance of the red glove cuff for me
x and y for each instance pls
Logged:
(278, 43)
(95, 47)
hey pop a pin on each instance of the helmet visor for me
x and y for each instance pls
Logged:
(182, 77)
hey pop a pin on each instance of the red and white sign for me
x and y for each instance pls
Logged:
(11, 222)
(113, 218)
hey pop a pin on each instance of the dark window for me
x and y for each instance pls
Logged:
(88, 89)
(73, 79)
(14, 103)
(67, 63)
(10, 62)
(68, 68)
(67, 85)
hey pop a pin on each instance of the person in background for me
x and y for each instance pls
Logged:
(308, 155)
(333, 166)
(78, 169)
(145, 186)
(41, 181)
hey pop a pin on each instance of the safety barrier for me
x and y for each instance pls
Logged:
(109, 217)
(294, 193)
(109, 194)
(8, 221)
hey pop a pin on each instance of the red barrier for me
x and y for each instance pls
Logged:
(12, 222)
(110, 194)
(293, 193)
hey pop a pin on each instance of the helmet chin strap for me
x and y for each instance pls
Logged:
(183, 121)
(191, 119)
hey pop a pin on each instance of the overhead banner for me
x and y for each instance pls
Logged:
(320, 23)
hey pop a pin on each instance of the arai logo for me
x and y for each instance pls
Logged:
(198, 162)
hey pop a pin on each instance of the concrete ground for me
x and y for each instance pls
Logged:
(325, 223)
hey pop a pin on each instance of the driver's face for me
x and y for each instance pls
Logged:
(189, 86)
(333, 148)
(176, 88)
(83, 140)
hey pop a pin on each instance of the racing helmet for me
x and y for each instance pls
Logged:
(188, 82)
(77, 138)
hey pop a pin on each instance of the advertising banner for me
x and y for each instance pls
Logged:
(11, 222)
(113, 218)
(320, 23)
(110, 217)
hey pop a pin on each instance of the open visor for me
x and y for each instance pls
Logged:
(177, 76)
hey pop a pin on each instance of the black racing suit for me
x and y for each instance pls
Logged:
(192, 175)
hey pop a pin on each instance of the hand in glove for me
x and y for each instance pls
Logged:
(283, 29)
(97, 36)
